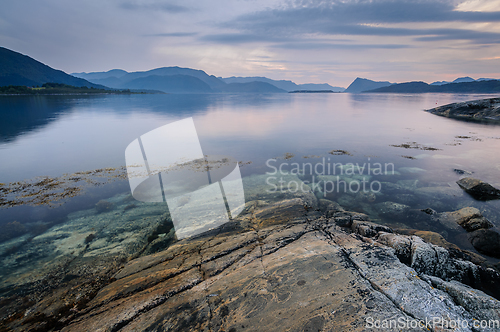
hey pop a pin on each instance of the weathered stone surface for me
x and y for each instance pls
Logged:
(478, 189)
(451, 264)
(429, 237)
(368, 229)
(482, 110)
(300, 287)
(285, 265)
(329, 208)
(305, 276)
(480, 305)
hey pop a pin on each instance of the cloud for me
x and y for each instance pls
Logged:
(323, 45)
(172, 34)
(154, 6)
(358, 18)
(237, 38)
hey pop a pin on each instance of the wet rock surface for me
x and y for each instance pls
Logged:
(481, 110)
(478, 189)
(288, 262)
(486, 241)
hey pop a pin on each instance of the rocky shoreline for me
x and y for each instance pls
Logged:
(289, 262)
(487, 110)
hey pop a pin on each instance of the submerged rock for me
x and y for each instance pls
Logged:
(486, 241)
(469, 218)
(103, 206)
(392, 210)
(478, 189)
(462, 172)
(481, 236)
(11, 230)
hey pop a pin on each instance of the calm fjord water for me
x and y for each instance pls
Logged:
(54, 135)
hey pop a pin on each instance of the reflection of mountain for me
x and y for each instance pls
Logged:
(18, 69)
(24, 114)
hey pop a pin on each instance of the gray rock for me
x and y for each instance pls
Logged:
(429, 259)
(461, 172)
(480, 305)
(486, 241)
(478, 189)
(329, 208)
(483, 110)
(469, 218)
(368, 229)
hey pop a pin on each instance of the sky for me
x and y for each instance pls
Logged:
(307, 41)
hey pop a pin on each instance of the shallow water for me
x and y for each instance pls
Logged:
(56, 135)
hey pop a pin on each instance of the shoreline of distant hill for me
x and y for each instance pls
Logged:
(313, 91)
(57, 89)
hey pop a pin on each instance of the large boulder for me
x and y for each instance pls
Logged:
(482, 110)
(478, 189)
(469, 218)
(486, 241)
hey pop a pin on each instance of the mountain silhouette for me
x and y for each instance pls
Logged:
(19, 69)
(363, 84)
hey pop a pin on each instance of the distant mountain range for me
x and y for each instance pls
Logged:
(175, 80)
(284, 85)
(460, 85)
(121, 79)
(491, 86)
(19, 69)
(466, 79)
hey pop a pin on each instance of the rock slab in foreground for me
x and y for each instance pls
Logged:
(482, 110)
(310, 275)
(292, 263)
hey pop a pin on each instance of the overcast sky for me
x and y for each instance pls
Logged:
(301, 40)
